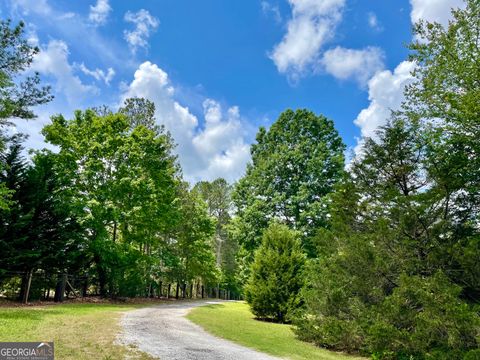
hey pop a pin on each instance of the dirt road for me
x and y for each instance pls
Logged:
(163, 332)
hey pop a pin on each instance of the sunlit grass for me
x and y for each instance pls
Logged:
(79, 331)
(235, 322)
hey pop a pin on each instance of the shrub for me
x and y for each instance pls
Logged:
(276, 278)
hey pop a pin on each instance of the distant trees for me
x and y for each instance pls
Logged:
(276, 275)
(217, 195)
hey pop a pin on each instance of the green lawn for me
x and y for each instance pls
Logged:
(80, 331)
(235, 322)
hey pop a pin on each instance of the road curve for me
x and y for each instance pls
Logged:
(163, 332)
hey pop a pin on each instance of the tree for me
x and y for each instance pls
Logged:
(387, 255)
(276, 279)
(39, 231)
(217, 195)
(16, 55)
(295, 165)
(124, 185)
(140, 111)
(17, 97)
(193, 240)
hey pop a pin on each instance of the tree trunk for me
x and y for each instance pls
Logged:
(60, 288)
(28, 282)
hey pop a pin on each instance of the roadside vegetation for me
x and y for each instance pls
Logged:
(235, 322)
(378, 257)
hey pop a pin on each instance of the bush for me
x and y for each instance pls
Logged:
(424, 315)
(276, 278)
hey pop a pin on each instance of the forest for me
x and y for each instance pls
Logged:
(378, 255)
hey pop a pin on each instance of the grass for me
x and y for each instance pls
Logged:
(79, 331)
(234, 321)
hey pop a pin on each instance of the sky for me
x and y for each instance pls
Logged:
(218, 69)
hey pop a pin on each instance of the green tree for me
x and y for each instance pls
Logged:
(217, 195)
(16, 55)
(124, 184)
(276, 279)
(39, 231)
(295, 164)
(386, 257)
(140, 111)
(17, 96)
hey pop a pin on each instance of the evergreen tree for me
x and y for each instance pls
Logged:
(276, 276)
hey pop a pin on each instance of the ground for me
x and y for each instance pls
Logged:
(79, 331)
(235, 322)
(163, 331)
(156, 330)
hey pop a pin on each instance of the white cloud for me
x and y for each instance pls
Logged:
(216, 149)
(144, 24)
(53, 60)
(373, 22)
(99, 13)
(40, 7)
(385, 92)
(271, 10)
(386, 88)
(312, 24)
(360, 65)
(434, 10)
(98, 74)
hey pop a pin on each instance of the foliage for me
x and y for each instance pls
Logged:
(217, 195)
(276, 278)
(38, 231)
(109, 206)
(16, 96)
(193, 240)
(295, 164)
(388, 282)
(397, 277)
(16, 55)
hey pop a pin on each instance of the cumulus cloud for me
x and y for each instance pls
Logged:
(98, 74)
(360, 65)
(386, 88)
(434, 10)
(214, 149)
(312, 24)
(99, 12)
(53, 61)
(385, 94)
(144, 25)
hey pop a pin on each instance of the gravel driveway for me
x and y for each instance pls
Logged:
(163, 332)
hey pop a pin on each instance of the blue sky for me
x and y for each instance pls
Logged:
(219, 69)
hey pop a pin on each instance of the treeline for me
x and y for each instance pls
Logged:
(382, 258)
(108, 207)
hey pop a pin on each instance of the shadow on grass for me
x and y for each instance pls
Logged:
(213, 306)
(28, 314)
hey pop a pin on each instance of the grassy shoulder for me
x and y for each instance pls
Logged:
(80, 331)
(234, 321)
